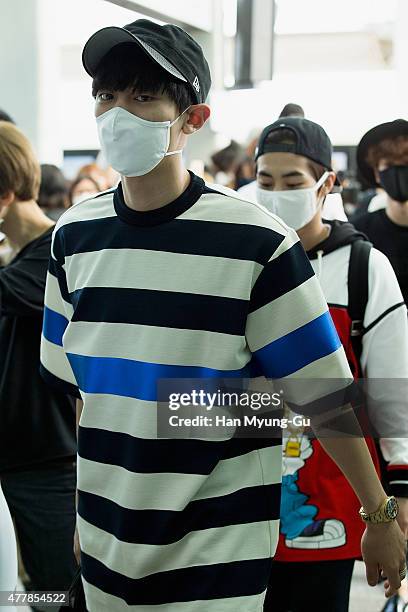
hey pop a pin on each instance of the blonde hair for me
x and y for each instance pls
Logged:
(19, 168)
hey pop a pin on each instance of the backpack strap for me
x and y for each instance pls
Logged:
(358, 292)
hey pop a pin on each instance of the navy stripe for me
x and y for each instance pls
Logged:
(180, 456)
(137, 379)
(54, 326)
(161, 527)
(281, 275)
(213, 239)
(295, 350)
(59, 384)
(203, 582)
(160, 308)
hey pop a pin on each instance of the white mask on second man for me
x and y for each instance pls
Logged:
(296, 207)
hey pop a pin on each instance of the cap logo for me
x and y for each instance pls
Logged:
(196, 84)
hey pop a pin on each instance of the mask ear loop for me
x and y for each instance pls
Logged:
(170, 126)
(319, 184)
(322, 180)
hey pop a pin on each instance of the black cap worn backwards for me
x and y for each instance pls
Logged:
(311, 140)
(168, 45)
(377, 134)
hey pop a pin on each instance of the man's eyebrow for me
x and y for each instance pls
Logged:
(287, 175)
(294, 173)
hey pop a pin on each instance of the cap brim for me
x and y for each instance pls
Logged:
(391, 129)
(106, 39)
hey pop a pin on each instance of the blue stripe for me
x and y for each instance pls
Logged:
(137, 379)
(299, 348)
(54, 326)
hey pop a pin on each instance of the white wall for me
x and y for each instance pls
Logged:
(193, 13)
(19, 94)
(346, 104)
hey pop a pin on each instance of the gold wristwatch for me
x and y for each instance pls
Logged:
(386, 513)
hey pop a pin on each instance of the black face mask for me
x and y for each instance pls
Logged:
(395, 182)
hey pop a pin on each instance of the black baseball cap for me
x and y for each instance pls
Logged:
(168, 45)
(311, 141)
(391, 129)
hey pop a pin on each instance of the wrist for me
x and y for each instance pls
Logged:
(386, 512)
(373, 503)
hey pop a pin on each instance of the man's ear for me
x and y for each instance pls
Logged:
(197, 115)
(6, 199)
(329, 184)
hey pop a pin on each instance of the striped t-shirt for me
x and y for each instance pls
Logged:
(206, 286)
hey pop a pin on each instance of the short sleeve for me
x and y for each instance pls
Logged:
(290, 331)
(55, 367)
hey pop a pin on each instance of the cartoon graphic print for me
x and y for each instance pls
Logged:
(298, 523)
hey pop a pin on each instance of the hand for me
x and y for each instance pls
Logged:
(77, 549)
(383, 548)
(402, 517)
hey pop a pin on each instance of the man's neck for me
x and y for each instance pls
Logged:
(397, 212)
(313, 233)
(161, 186)
(24, 223)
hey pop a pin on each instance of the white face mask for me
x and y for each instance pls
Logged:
(296, 207)
(131, 145)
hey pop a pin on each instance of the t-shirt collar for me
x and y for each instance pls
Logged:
(160, 215)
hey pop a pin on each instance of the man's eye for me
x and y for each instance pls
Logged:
(143, 98)
(297, 186)
(104, 96)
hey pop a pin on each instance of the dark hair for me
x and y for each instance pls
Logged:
(127, 66)
(394, 150)
(228, 158)
(286, 136)
(5, 116)
(292, 110)
(53, 187)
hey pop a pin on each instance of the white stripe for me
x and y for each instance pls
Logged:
(290, 240)
(204, 547)
(283, 315)
(99, 601)
(399, 481)
(53, 299)
(318, 379)
(164, 345)
(161, 271)
(99, 207)
(136, 491)
(231, 208)
(131, 416)
(55, 361)
(262, 210)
